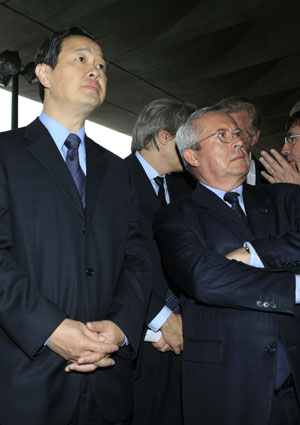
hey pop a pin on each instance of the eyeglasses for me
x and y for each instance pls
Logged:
(291, 139)
(227, 136)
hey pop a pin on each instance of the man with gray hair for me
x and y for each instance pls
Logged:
(154, 157)
(234, 249)
(248, 118)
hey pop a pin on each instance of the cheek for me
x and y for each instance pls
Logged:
(295, 151)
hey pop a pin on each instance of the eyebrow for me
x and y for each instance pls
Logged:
(87, 49)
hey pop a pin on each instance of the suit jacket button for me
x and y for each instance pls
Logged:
(270, 349)
(266, 304)
(90, 271)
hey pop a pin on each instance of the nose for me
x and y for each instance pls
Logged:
(238, 141)
(286, 149)
(94, 72)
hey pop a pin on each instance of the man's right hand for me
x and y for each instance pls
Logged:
(173, 333)
(73, 340)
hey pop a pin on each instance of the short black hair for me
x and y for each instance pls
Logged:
(51, 48)
(293, 120)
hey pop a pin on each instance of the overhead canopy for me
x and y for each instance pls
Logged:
(195, 51)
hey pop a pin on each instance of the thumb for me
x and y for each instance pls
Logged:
(94, 326)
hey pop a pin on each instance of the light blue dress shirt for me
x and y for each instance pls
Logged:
(59, 133)
(254, 261)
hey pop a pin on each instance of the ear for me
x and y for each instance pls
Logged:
(164, 137)
(190, 157)
(42, 73)
(255, 138)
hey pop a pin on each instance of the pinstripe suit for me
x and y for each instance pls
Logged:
(234, 313)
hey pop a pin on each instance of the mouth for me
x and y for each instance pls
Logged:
(92, 87)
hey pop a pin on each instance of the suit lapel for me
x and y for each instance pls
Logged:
(259, 210)
(96, 164)
(45, 151)
(206, 199)
(144, 186)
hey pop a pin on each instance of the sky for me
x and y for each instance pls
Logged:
(114, 141)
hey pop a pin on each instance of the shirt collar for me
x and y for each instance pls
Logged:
(149, 170)
(220, 193)
(58, 132)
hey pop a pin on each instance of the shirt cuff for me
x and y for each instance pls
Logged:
(160, 319)
(254, 261)
(297, 289)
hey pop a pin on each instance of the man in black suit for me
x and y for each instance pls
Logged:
(248, 118)
(71, 252)
(241, 359)
(154, 157)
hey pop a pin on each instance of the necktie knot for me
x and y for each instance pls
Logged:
(72, 141)
(161, 191)
(159, 181)
(232, 198)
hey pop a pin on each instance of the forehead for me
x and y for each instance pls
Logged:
(295, 129)
(241, 117)
(78, 42)
(213, 121)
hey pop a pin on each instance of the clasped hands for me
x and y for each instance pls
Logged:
(86, 346)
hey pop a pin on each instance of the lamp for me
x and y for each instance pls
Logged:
(10, 69)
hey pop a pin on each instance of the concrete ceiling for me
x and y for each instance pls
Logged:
(196, 51)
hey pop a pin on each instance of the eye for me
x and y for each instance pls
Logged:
(101, 66)
(80, 58)
(222, 134)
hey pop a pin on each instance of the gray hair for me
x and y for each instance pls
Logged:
(295, 108)
(160, 114)
(236, 104)
(187, 136)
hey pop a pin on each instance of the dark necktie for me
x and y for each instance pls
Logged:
(161, 191)
(72, 143)
(232, 198)
(171, 300)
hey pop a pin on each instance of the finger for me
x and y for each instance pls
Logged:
(91, 358)
(75, 367)
(268, 177)
(101, 347)
(279, 158)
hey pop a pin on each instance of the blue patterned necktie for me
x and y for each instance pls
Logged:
(72, 143)
(232, 198)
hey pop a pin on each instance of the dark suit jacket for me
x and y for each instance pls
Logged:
(259, 179)
(149, 204)
(233, 313)
(58, 261)
(157, 387)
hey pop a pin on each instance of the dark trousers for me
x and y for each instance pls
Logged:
(285, 407)
(88, 412)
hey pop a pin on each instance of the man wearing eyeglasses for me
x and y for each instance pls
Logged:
(248, 118)
(281, 170)
(234, 249)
